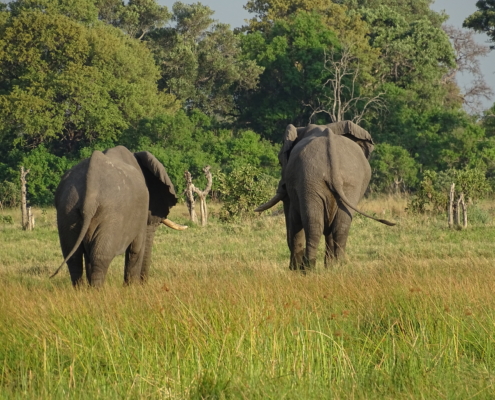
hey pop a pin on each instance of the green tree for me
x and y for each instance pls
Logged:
(64, 83)
(83, 11)
(483, 20)
(292, 54)
(394, 170)
(135, 17)
(201, 61)
(190, 141)
(412, 52)
(412, 10)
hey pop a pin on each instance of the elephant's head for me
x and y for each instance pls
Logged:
(161, 190)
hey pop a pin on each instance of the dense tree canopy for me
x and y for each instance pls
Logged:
(201, 61)
(79, 75)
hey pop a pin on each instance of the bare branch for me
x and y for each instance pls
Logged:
(467, 54)
(341, 99)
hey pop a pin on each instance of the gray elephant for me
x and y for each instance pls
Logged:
(325, 172)
(109, 204)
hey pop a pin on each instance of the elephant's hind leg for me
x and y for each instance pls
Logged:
(75, 264)
(134, 260)
(340, 231)
(329, 249)
(295, 240)
(313, 228)
(97, 271)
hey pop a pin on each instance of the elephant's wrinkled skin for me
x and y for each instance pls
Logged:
(324, 175)
(109, 204)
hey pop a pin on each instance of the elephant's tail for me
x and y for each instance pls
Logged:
(84, 230)
(348, 204)
(337, 184)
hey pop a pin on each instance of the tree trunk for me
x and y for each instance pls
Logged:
(464, 210)
(191, 204)
(27, 217)
(202, 195)
(451, 206)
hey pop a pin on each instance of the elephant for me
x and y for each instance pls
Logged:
(325, 173)
(109, 204)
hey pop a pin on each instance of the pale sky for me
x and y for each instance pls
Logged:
(233, 13)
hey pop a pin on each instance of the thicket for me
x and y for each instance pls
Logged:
(86, 75)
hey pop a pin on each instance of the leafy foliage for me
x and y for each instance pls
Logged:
(483, 20)
(201, 61)
(76, 76)
(434, 189)
(292, 54)
(189, 142)
(10, 194)
(394, 170)
(243, 189)
(65, 84)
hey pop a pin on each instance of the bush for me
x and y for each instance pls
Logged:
(434, 189)
(10, 194)
(243, 190)
(6, 219)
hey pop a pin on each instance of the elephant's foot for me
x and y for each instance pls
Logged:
(308, 264)
(97, 280)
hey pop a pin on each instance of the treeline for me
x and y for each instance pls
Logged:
(90, 74)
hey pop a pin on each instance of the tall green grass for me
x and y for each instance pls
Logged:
(409, 314)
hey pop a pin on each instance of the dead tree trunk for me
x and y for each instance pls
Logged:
(454, 210)
(27, 217)
(202, 196)
(191, 204)
(462, 203)
(191, 189)
(451, 206)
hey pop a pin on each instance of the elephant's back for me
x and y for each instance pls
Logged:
(72, 186)
(309, 163)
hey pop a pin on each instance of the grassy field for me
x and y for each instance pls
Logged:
(410, 314)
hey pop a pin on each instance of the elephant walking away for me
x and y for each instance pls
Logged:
(109, 204)
(325, 172)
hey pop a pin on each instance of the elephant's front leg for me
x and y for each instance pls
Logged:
(148, 247)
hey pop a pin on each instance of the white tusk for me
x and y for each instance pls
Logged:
(270, 203)
(173, 225)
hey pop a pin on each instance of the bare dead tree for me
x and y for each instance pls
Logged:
(27, 216)
(467, 54)
(191, 203)
(343, 99)
(190, 189)
(202, 195)
(454, 209)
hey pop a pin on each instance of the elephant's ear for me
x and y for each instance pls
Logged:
(354, 132)
(290, 138)
(160, 187)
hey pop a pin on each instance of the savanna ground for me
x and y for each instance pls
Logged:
(410, 314)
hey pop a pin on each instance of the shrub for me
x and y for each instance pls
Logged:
(434, 189)
(6, 219)
(243, 189)
(10, 194)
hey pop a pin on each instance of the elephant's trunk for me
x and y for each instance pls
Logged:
(173, 225)
(270, 203)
